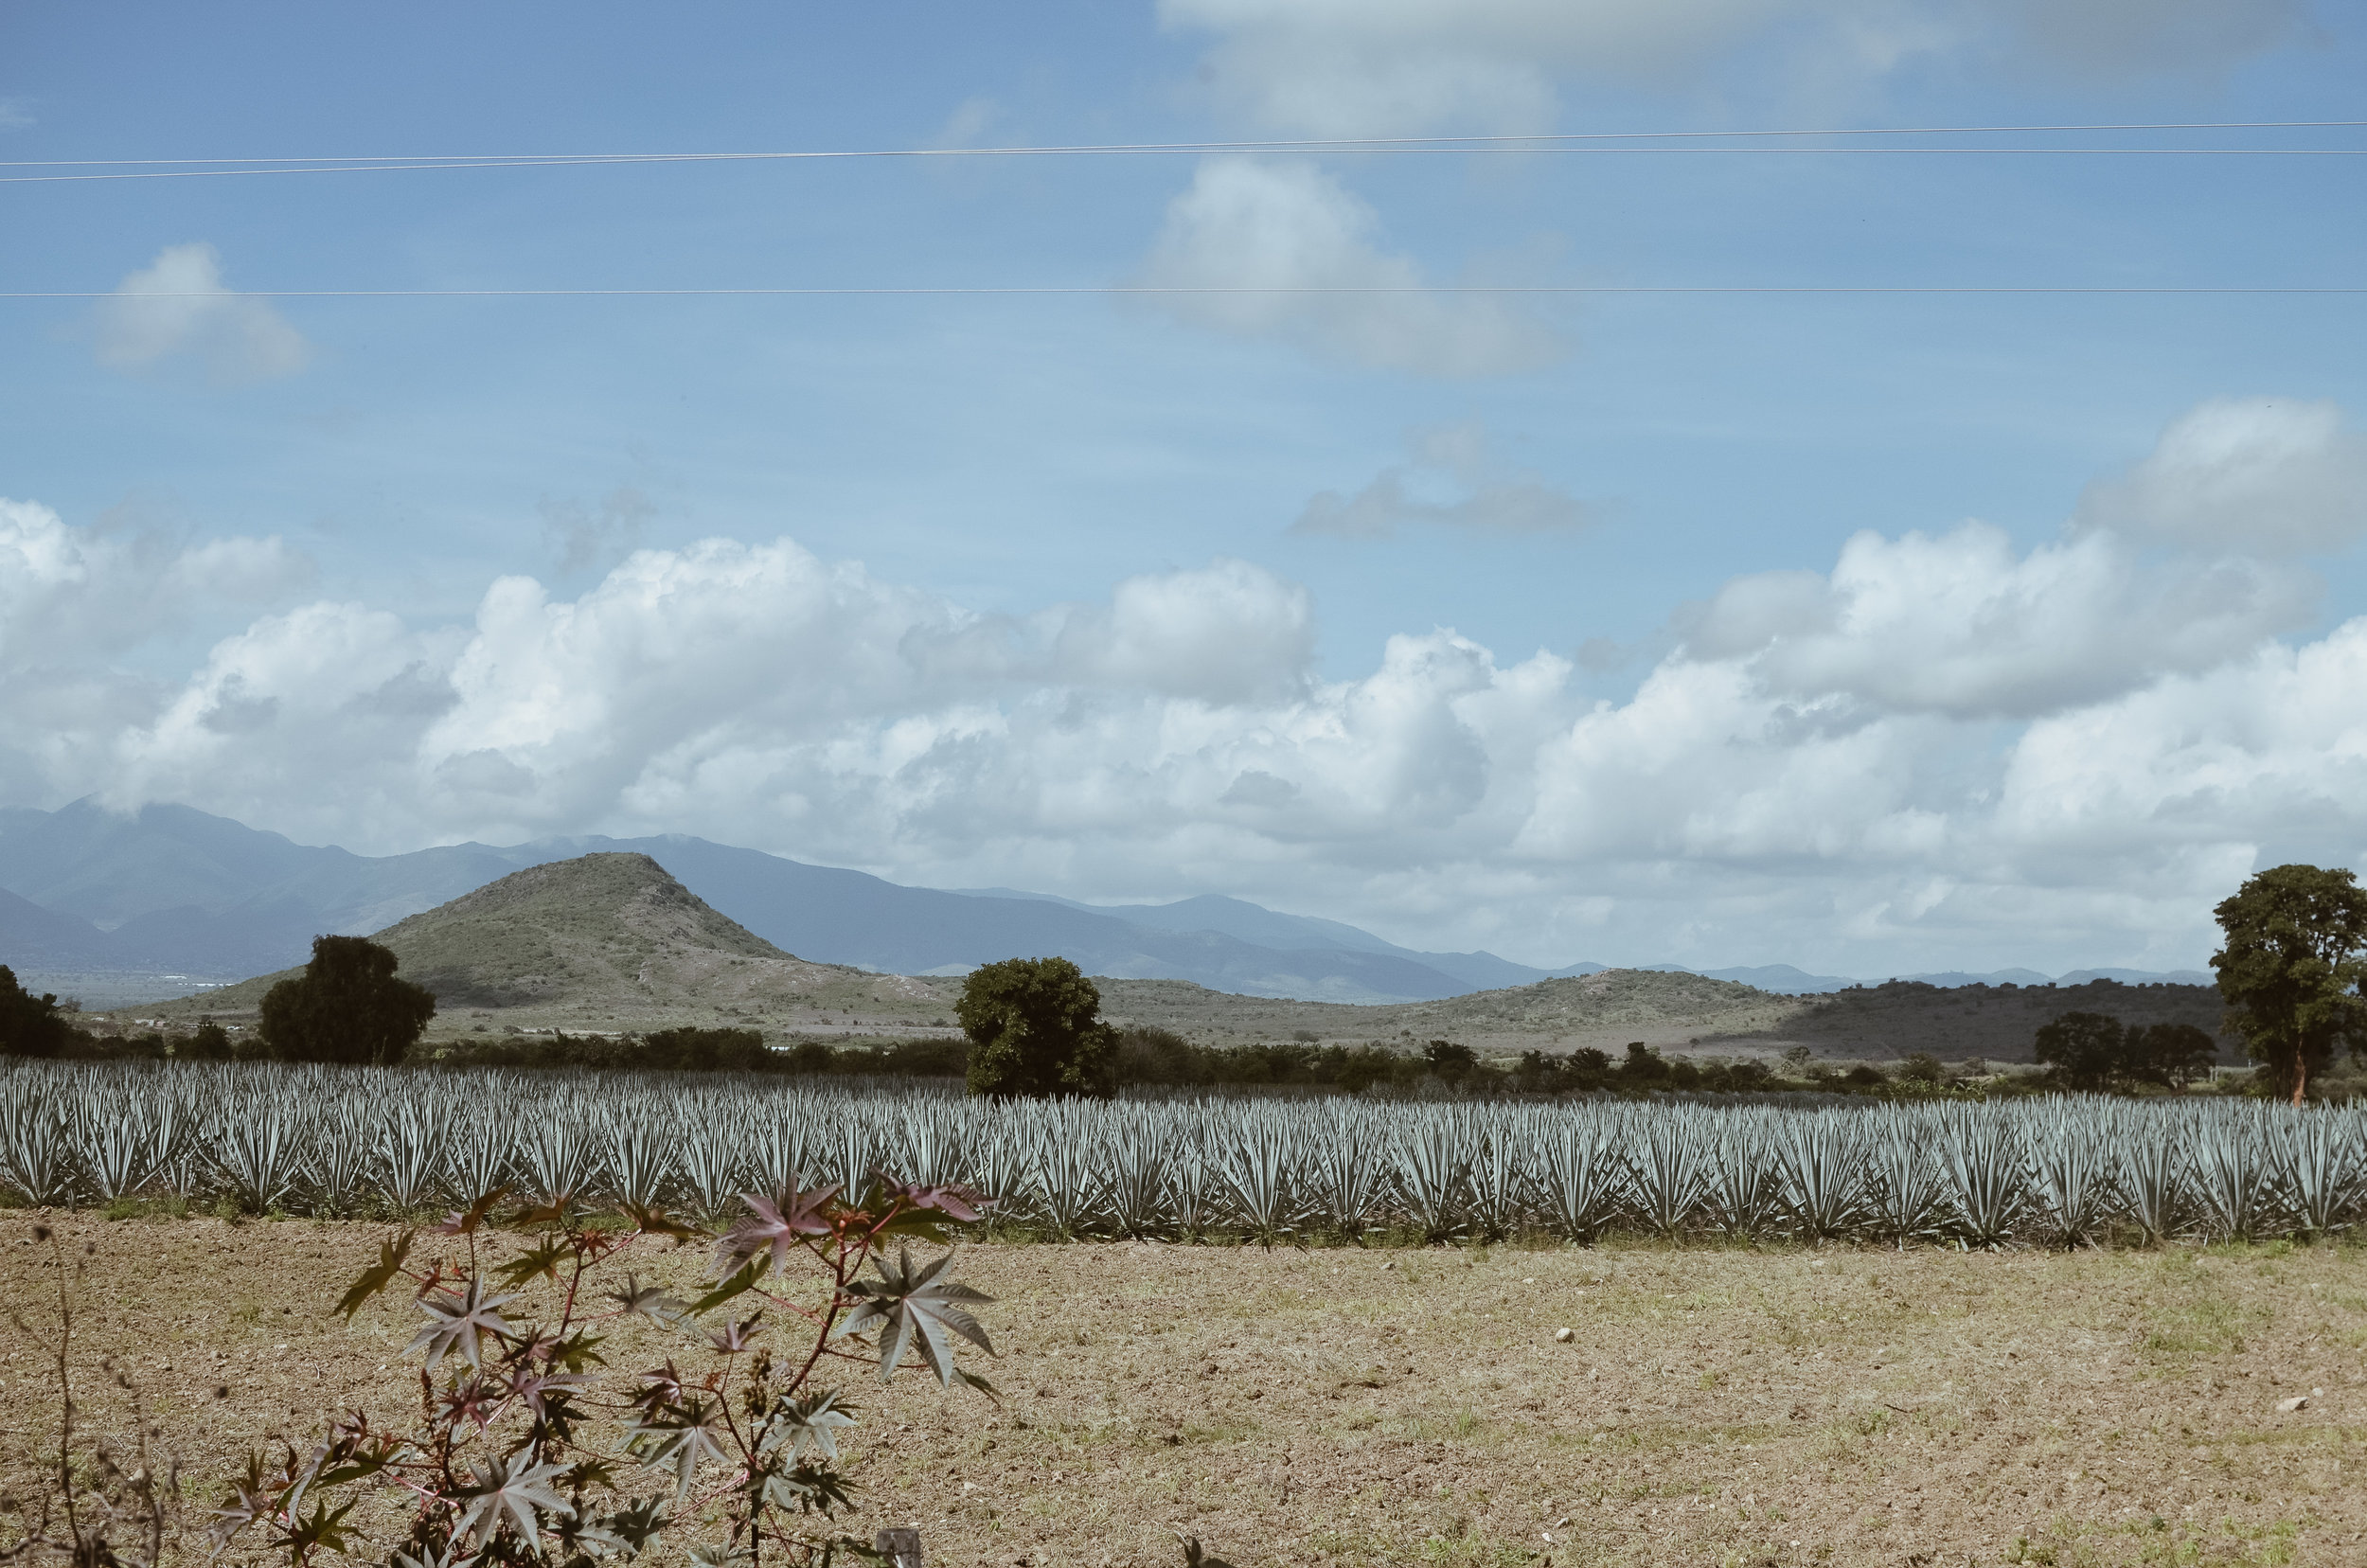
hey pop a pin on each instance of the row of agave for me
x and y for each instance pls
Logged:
(326, 1140)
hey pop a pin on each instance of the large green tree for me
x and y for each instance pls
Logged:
(30, 1025)
(349, 1005)
(2292, 968)
(1035, 1028)
(2085, 1049)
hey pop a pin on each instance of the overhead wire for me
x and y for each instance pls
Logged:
(1591, 143)
(826, 290)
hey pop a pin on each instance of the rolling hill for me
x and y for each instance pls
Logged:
(605, 943)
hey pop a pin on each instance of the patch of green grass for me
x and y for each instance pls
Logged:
(2204, 1326)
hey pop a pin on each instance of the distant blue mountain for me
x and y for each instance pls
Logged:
(169, 888)
(172, 889)
(1263, 927)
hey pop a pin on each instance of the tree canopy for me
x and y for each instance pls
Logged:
(2094, 1052)
(30, 1025)
(349, 1005)
(2292, 968)
(1035, 1028)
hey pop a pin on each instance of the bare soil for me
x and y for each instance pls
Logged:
(1393, 1407)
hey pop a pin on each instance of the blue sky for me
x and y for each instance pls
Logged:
(1867, 632)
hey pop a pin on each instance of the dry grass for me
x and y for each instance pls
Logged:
(1346, 1406)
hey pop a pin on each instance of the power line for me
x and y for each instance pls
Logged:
(1269, 144)
(1597, 143)
(1084, 289)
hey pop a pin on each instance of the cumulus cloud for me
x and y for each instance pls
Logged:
(179, 305)
(78, 604)
(2260, 475)
(1276, 248)
(1941, 750)
(1380, 67)
(1960, 624)
(1453, 481)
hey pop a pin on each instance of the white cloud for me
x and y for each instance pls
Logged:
(15, 113)
(2261, 475)
(78, 606)
(1395, 67)
(1961, 625)
(1277, 248)
(1453, 481)
(1943, 751)
(1370, 67)
(178, 305)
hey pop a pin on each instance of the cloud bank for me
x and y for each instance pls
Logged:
(1383, 67)
(1938, 750)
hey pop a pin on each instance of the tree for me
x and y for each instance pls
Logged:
(2086, 1050)
(346, 1006)
(1035, 1028)
(2292, 968)
(1450, 1063)
(30, 1025)
(690, 1050)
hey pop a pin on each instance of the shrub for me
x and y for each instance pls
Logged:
(704, 1050)
(346, 1006)
(516, 1456)
(1035, 1028)
(1450, 1063)
(30, 1025)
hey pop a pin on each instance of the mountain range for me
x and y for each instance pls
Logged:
(172, 891)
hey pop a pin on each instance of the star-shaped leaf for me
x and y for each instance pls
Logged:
(915, 1307)
(377, 1276)
(323, 1527)
(648, 1301)
(736, 1339)
(808, 1489)
(543, 1260)
(629, 1530)
(459, 1322)
(466, 1222)
(954, 1203)
(805, 1426)
(448, 1556)
(516, 1494)
(249, 1499)
(680, 1437)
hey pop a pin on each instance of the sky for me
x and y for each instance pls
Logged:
(1300, 544)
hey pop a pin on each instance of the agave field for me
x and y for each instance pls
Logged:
(2062, 1171)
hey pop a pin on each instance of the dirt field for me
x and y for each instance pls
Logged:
(1714, 1407)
